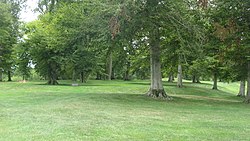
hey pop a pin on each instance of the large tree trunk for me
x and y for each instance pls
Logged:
(242, 88)
(248, 84)
(156, 88)
(9, 76)
(215, 82)
(179, 76)
(52, 75)
(52, 80)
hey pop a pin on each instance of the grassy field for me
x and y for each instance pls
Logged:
(119, 111)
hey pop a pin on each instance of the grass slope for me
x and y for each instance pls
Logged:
(117, 110)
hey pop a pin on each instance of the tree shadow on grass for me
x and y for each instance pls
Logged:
(148, 83)
(134, 99)
(142, 99)
(206, 100)
(191, 92)
(139, 83)
(185, 84)
(79, 85)
(171, 84)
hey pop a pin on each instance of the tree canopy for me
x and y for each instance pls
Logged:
(198, 40)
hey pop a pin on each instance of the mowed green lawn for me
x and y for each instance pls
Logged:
(119, 111)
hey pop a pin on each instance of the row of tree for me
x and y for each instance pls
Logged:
(9, 33)
(125, 39)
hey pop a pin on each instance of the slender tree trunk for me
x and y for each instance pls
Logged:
(220, 80)
(248, 84)
(156, 89)
(179, 76)
(74, 76)
(215, 82)
(110, 65)
(171, 77)
(242, 88)
(9, 76)
(126, 74)
(1, 65)
(1, 75)
(193, 79)
(198, 79)
(82, 78)
(113, 73)
(98, 76)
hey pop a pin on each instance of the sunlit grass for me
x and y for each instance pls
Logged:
(118, 110)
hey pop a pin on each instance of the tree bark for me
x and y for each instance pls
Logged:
(242, 88)
(1, 75)
(74, 76)
(52, 75)
(52, 80)
(171, 77)
(215, 82)
(82, 78)
(179, 76)
(98, 76)
(198, 79)
(9, 76)
(248, 84)
(1, 64)
(193, 79)
(126, 74)
(110, 66)
(113, 73)
(156, 88)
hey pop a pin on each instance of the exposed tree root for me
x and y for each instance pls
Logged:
(158, 94)
(52, 82)
(247, 100)
(240, 95)
(215, 88)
